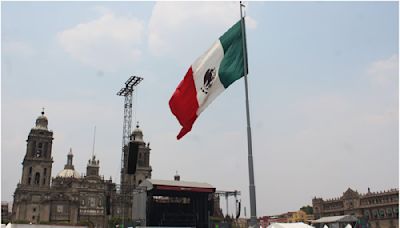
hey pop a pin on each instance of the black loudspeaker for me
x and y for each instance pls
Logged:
(108, 211)
(132, 157)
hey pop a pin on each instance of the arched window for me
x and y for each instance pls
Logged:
(33, 151)
(140, 163)
(375, 213)
(46, 145)
(37, 178)
(30, 170)
(381, 213)
(367, 214)
(396, 212)
(389, 212)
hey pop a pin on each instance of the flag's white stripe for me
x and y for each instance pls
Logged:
(211, 59)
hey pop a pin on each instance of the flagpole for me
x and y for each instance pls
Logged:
(252, 187)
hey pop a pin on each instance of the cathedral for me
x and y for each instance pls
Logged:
(71, 198)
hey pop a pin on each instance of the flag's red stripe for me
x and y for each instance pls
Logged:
(183, 103)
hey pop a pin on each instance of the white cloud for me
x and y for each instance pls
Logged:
(173, 26)
(106, 43)
(385, 72)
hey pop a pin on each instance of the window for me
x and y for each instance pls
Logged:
(30, 170)
(82, 202)
(60, 208)
(375, 214)
(396, 212)
(33, 148)
(389, 212)
(29, 180)
(367, 214)
(44, 181)
(37, 178)
(40, 146)
(92, 202)
(34, 209)
(381, 213)
(44, 171)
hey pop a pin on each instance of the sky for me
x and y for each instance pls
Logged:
(323, 90)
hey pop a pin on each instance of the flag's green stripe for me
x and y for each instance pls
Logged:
(231, 68)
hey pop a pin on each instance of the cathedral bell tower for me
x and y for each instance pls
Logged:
(37, 163)
(31, 197)
(143, 168)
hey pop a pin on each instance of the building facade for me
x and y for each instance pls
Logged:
(378, 209)
(5, 214)
(71, 198)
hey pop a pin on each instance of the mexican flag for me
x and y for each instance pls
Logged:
(208, 76)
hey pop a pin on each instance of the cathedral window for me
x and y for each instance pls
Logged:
(389, 212)
(60, 208)
(37, 178)
(45, 150)
(367, 215)
(92, 202)
(141, 159)
(381, 213)
(33, 152)
(375, 214)
(30, 170)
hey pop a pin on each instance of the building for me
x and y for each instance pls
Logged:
(378, 209)
(5, 214)
(71, 198)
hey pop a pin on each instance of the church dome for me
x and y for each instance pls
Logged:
(42, 122)
(68, 173)
(69, 170)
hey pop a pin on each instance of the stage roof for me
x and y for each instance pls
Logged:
(171, 185)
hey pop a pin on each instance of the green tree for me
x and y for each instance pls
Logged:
(114, 221)
(307, 209)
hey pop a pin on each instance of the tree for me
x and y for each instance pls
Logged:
(307, 209)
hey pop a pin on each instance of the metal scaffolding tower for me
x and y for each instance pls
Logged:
(127, 93)
(227, 194)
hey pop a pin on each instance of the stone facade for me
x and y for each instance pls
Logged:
(378, 209)
(71, 198)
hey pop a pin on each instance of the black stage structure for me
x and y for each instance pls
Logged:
(173, 203)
